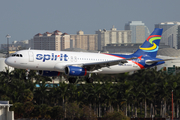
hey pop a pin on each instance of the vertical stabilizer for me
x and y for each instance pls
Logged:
(151, 45)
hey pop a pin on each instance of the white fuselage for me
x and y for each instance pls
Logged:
(58, 60)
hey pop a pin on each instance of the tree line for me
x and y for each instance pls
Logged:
(142, 94)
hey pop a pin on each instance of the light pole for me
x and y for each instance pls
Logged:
(8, 36)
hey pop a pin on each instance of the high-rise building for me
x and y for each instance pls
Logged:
(170, 33)
(112, 36)
(178, 38)
(139, 32)
(65, 41)
(52, 41)
(31, 43)
(84, 41)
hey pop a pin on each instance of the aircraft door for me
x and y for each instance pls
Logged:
(31, 56)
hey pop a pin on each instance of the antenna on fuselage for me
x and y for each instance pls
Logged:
(29, 49)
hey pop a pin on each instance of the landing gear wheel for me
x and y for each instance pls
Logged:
(72, 80)
(89, 80)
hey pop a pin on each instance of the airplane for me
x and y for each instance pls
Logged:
(52, 63)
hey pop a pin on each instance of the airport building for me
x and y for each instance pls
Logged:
(139, 32)
(171, 33)
(112, 36)
(84, 41)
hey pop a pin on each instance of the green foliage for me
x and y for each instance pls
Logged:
(111, 93)
(57, 112)
(18, 109)
(5, 98)
(28, 107)
(116, 116)
(27, 95)
(73, 110)
(88, 113)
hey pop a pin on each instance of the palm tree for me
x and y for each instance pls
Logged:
(176, 93)
(41, 92)
(16, 90)
(6, 76)
(123, 89)
(108, 95)
(163, 91)
(54, 96)
(144, 79)
(63, 94)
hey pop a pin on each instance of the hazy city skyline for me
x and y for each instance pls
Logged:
(23, 19)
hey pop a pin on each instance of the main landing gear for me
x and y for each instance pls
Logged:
(72, 79)
(89, 80)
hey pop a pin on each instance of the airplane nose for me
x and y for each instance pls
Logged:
(8, 61)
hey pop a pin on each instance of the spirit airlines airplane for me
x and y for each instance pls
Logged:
(51, 63)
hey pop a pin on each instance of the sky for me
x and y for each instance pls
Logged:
(22, 19)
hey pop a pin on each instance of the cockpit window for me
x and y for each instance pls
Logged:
(17, 55)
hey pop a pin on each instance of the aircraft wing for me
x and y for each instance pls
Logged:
(98, 65)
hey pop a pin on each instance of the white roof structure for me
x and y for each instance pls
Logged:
(5, 104)
(169, 52)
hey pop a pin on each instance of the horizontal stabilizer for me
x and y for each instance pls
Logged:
(151, 62)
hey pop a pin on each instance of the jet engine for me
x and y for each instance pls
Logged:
(75, 71)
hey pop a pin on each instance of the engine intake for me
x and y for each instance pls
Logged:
(75, 71)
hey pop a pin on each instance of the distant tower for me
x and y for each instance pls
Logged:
(171, 33)
(139, 32)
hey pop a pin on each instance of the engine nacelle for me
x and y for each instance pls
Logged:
(48, 73)
(75, 71)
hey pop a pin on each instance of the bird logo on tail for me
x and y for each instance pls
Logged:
(151, 40)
